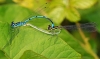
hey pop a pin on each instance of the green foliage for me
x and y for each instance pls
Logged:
(29, 43)
(68, 9)
(31, 55)
(34, 40)
(2, 55)
(93, 15)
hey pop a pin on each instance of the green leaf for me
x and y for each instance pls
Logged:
(57, 15)
(16, 13)
(93, 16)
(28, 39)
(13, 12)
(4, 33)
(2, 55)
(31, 55)
(72, 14)
(31, 39)
(72, 41)
(83, 4)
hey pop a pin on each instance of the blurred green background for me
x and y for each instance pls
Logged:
(62, 12)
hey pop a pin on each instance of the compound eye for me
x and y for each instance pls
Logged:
(49, 27)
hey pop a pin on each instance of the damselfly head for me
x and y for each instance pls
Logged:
(49, 27)
(53, 28)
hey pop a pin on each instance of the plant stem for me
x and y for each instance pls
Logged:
(86, 46)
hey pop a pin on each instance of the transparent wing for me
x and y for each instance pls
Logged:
(90, 27)
(14, 32)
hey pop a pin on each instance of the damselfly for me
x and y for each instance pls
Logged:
(54, 30)
(24, 22)
(42, 30)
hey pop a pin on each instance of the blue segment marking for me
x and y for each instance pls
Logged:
(24, 22)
